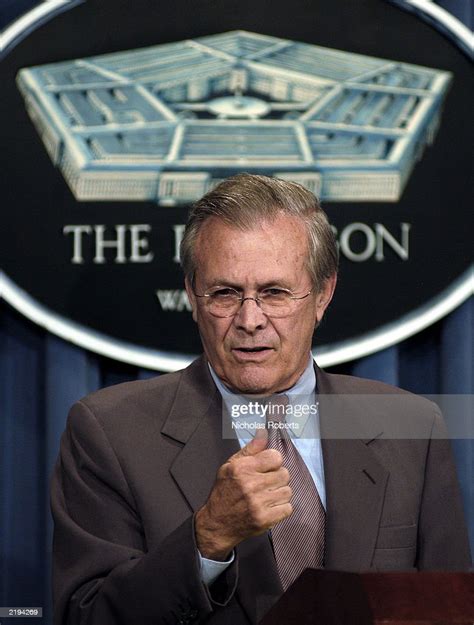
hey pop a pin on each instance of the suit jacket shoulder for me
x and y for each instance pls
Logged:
(131, 403)
(350, 384)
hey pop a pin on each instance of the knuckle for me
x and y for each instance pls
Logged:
(270, 456)
(276, 456)
(258, 517)
(247, 488)
(224, 471)
(235, 469)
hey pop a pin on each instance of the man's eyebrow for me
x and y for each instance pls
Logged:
(226, 283)
(276, 283)
(238, 287)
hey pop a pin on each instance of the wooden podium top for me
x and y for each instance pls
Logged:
(439, 598)
(321, 597)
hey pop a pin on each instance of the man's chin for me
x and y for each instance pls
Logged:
(251, 380)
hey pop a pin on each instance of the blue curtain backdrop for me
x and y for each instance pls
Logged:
(41, 376)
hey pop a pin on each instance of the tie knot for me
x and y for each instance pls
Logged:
(276, 420)
(276, 410)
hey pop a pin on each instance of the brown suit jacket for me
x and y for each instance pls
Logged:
(138, 459)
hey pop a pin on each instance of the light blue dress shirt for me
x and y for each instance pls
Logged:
(305, 437)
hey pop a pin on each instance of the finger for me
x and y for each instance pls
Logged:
(272, 480)
(281, 512)
(271, 514)
(255, 446)
(261, 434)
(280, 496)
(267, 461)
(275, 479)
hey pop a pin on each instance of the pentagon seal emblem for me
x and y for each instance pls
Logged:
(110, 137)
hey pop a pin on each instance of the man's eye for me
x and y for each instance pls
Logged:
(274, 293)
(224, 293)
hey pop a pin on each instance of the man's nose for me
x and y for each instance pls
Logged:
(250, 317)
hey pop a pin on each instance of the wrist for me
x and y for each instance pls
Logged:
(211, 545)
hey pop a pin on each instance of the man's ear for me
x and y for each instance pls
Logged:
(324, 297)
(191, 297)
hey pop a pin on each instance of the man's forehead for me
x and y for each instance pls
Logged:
(269, 252)
(282, 226)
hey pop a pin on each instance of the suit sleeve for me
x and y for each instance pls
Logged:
(103, 573)
(443, 540)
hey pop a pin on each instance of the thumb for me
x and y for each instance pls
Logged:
(257, 444)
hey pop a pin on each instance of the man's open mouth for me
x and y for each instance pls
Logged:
(252, 349)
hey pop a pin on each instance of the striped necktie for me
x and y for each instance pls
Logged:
(298, 540)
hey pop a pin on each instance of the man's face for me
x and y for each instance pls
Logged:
(273, 254)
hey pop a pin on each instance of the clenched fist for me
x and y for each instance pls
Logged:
(250, 495)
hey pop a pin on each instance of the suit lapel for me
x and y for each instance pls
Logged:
(195, 420)
(355, 481)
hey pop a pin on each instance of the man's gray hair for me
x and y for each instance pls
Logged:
(245, 200)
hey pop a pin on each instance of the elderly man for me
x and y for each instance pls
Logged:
(162, 516)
